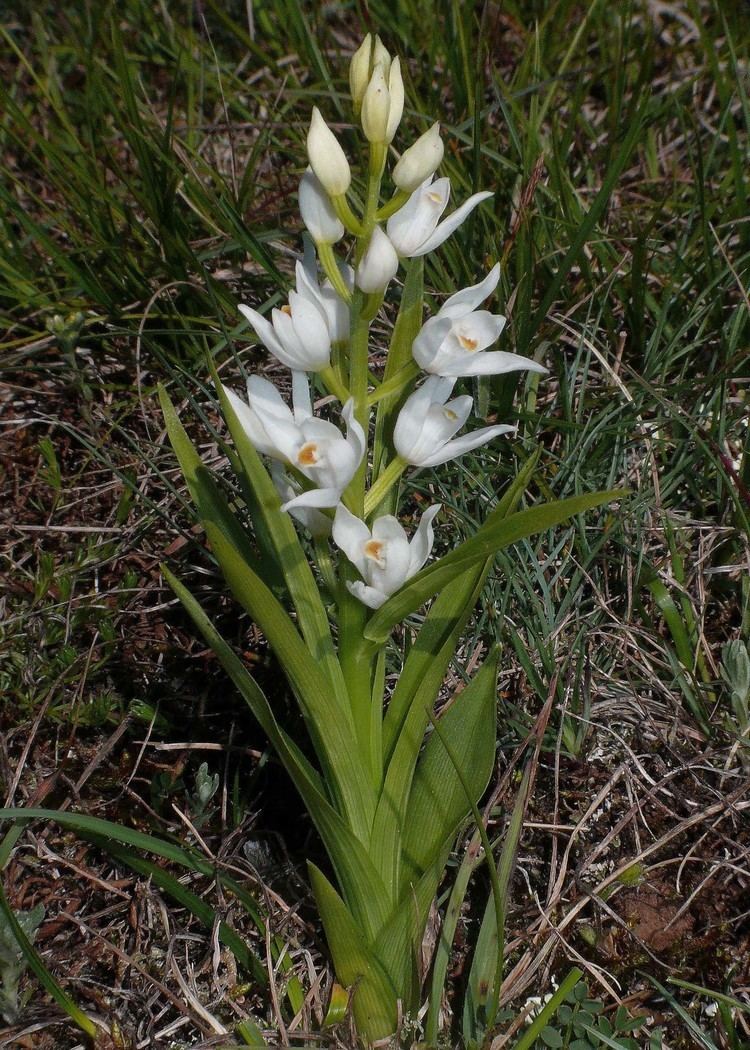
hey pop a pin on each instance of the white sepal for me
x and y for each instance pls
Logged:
(416, 230)
(327, 158)
(318, 215)
(420, 161)
(378, 264)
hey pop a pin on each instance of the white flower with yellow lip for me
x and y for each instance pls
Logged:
(416, 229)
(314, 447)
(428, 421)
(300, 334)
(383, 556)
(453, 342)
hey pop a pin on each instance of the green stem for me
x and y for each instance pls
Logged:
(334, 385)
(332, 272)
(346, 215)
(395, 384)
(383, 484)
(397, 201)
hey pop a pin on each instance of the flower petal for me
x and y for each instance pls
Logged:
(301, 397)
(263, 329)
(426, 346)
(490, 364)
(350, 535)
(314, 498)
(469, 298)
(413, 224)
(447, 226)
(253, 427)
(456, 448)
(370, 597)
(422, 541)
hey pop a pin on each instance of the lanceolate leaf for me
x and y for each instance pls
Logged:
(492, 537)
(428, 660)
(208, 498)
(438, 800)
(329, 721)
(362, 886)
(374, 996)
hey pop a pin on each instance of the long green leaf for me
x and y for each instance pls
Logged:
(208, 498)
(364, 890)
(490, 538)
(438, 802)
(485, 976)
(374, 997)
(329, 722)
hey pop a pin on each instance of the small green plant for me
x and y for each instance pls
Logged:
(735, 671)
(13, 963)
(206, 786)
(579, 1022)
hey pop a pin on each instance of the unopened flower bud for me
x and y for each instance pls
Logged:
(383, 103)
(419, 161)
(359, 72)
(327, 158)
(317, 213)
(380, 56)
(378, 265)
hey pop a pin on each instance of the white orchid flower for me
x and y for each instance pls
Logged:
(334, 310)
(415, 229)
(428, 421)
(316, 210)
(383, 102)
(314, 447)
(378, 265)
(300, 334)
(327, 158)
(420, 161)
(383, 556)
(452, 343)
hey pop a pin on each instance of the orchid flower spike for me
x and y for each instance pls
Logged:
(414, 229)
(428, 421)
(452, 343)
(378, 265)
(317, 212)
(314, 447)
(383, 556)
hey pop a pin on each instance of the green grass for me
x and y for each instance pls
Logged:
(150, 156)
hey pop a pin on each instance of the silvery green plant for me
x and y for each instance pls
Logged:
(323, 562)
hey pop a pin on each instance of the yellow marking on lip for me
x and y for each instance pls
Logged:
(435, 197)
(286, 309)
(374, 551)
(450, 414)
(308, 455)
(468, 343)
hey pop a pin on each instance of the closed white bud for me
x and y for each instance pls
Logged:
(420, 161)
(327, 158)
(383, 103)
(380, 56)
(317, 213)
(378, 265)
(359, 72)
